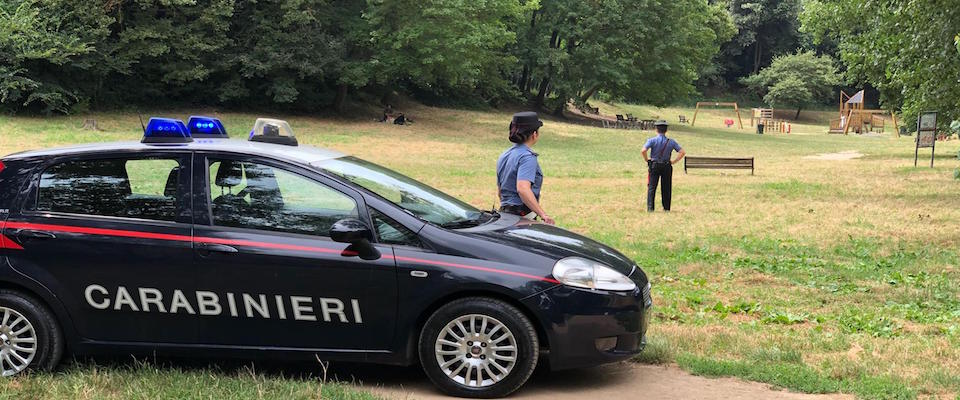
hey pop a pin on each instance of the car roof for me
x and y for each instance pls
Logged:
(300, 154)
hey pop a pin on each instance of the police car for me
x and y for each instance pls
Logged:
(187, 243)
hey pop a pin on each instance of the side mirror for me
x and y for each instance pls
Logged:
(358, 235)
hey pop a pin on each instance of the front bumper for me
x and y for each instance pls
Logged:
(592, 327)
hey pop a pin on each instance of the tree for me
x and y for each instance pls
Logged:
(442, 44)
(764, 29)
(43, 43)
(574, 48)
(308, 54)
(795, 80)
(904, 49)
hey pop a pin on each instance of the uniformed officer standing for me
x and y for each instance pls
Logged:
(659, 166)
(519, 177)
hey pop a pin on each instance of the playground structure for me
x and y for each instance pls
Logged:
(716, 104)
(764, 116)
(853, 116)
(761, 116)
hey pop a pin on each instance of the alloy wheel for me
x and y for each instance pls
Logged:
(476, 350)
(18, 342)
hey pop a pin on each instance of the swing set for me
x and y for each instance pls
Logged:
(715, 105)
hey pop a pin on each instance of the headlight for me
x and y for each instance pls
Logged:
(583, 273)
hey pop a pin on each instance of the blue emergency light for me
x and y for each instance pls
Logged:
(166, 130)
(206, 128)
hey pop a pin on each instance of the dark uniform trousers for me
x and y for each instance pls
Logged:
(661, 172)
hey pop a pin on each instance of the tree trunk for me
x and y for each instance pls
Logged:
(523, 79)
(586, 96)
(756, 58)
(341, 99)
(798, 114)
(559, 111)
(542, 95)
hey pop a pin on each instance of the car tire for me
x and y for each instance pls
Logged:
(500, 364)
(30, 338)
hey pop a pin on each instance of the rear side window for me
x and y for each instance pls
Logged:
(256, 196)
(116, 187)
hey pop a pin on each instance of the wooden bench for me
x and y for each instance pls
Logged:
(717, 163)
(683, 119)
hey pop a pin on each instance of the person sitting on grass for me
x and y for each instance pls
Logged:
(387, 113)
(401, 120)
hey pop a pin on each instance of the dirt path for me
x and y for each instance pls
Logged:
(618, 381)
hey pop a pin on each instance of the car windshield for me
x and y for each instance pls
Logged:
(421, 200)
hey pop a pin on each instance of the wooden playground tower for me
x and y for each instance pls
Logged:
(854, 116)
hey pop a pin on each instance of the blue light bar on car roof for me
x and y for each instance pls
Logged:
(166, 130)
(206, 128)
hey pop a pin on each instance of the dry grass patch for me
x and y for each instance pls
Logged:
(796, 267)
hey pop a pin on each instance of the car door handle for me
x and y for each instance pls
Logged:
(216, 248)
(34, 234)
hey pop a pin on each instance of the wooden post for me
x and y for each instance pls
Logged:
(694, 121)
(846, 125)
(896, 128)
(738, 115)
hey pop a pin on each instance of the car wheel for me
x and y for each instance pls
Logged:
(478, 347)
(30, 338)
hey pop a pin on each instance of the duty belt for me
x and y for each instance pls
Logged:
(516, 210)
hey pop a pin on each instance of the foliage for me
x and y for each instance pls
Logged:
(42, 43)
(763, 29)
(647, 51)
(308, 54)
(442, 42)
(795, 80)
(904, 49)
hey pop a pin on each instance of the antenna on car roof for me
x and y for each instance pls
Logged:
(142, 126)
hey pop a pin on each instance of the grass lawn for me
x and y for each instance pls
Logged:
(817, 274)
(147, 381)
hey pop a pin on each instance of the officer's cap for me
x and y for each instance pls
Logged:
(527, 120)
(661, 123)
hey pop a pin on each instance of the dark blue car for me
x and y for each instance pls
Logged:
(261, 248)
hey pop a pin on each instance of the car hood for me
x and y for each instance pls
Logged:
(550, 241)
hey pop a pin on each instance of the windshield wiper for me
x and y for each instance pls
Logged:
(461, 223)
(484, 217)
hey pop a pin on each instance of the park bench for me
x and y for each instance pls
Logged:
(683, 119)
(717, 163)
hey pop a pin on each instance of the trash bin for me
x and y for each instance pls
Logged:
(759, 129)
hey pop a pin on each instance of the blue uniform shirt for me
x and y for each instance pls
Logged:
(518, 163)
(661, 147)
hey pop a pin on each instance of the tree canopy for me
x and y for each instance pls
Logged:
(764, 29)
(795, 80)
(308, 55)
(905, 49)
(58, 55)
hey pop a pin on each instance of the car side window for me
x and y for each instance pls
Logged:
(116, 187)
(390, 231)
(257, 196)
